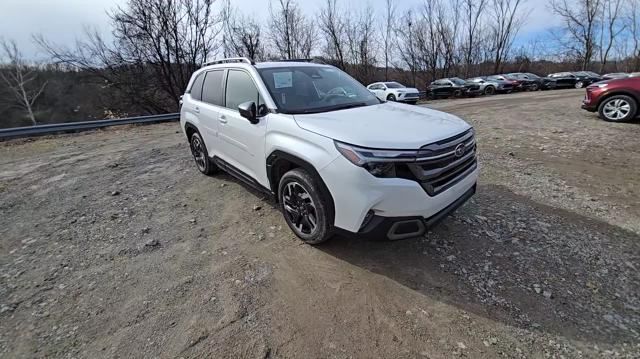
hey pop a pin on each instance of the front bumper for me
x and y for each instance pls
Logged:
(590, 103)
(409, 97)
(396, 228)
(356, 193)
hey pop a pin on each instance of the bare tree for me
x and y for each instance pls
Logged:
(633, 24)
(292, 34)
(389, 25)
(505, 25)
(361, 43)
(242, 35)
(580, 19)
(407, 43)
(21, 80)
(157, 45)
(473, 10)
(611, 27)
(332, 25)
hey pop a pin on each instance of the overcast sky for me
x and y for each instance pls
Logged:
(62, 21)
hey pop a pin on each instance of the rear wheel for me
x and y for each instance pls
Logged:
(618, 108)
(391, 97)
(201, 156)
(306, 210)
(534, 87)
(489, 90)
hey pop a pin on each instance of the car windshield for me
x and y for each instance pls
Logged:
(495, 78)
(394, 85)
(313, 89)
(532, 76)
(457, 81)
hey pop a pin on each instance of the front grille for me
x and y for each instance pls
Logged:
(443, 164)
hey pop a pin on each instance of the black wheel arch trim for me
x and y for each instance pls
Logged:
(189, 125)
(276, 155)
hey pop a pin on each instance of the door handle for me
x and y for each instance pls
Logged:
(222, 119)
(196, 110)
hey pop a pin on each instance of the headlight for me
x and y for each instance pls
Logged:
(380, 163)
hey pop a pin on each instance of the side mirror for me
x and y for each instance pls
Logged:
(248, 110)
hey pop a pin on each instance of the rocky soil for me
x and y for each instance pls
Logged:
(113, 245)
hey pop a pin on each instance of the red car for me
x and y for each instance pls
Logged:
(614, 100)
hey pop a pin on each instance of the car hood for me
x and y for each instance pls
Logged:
(389, 125)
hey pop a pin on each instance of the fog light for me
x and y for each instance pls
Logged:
(381, 169)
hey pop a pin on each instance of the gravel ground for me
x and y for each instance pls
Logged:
(113, 245)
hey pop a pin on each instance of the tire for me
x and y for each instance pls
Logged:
(489, 90)
(302, 202)
(579, 85)
(391, 97)
(201, 155)
(618, 108)
(457, 93)
(534, 87)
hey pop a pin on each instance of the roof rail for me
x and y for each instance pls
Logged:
(230, 60)
(316, 60)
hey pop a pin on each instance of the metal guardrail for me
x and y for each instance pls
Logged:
(20, 132)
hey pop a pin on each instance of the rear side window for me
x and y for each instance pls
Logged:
(241, 88)
(196, 88)
(212, 89)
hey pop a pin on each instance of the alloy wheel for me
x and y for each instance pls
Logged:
(199, 154)
(300, 208)
(579, 84)
(616, 109)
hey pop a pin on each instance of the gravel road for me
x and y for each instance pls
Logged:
(113, 245)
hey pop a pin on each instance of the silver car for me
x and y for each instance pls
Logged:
(490, 86)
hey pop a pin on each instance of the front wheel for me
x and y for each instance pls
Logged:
(534, 87)
(391, 97)
(619, 108)
(579, 84)
(489, 90)
(306, 210)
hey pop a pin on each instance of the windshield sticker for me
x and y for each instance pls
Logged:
(283, 79)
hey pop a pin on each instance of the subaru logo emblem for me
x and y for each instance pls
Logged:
(460, 150)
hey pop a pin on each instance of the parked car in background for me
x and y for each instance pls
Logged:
(516, 84)
(586, 78)
(452, 86)
(394, 91)
(490, 87)
(534, 82)
(615, 100)
(578, 79)
(615, 75)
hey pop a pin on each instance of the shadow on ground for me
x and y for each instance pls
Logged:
(506, 258)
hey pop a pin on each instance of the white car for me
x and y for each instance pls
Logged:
(335, 157)
(394, 91)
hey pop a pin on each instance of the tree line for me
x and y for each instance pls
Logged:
(155, 46)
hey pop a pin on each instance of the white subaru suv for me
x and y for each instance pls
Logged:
(336, 158)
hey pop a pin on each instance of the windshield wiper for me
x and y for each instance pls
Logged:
(332, 108)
